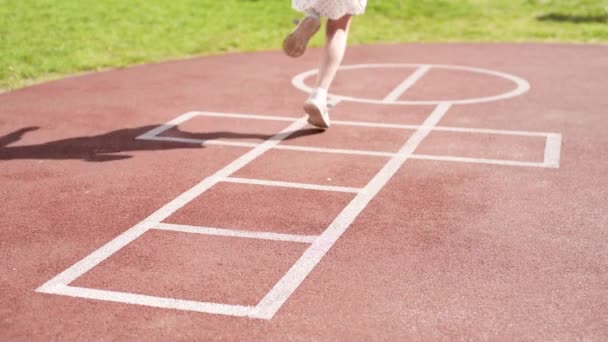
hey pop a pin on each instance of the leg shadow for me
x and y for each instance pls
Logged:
(115, 145)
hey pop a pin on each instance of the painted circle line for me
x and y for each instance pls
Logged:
(522, 86)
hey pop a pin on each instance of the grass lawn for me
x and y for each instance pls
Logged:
(45, 39)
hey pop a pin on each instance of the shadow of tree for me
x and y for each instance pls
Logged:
(574, 18)
(113, 145)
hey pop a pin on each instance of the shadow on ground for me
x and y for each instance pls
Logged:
(112, 146)
(574, 18)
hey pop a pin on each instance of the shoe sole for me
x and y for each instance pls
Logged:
(295, 43)
(315, 117)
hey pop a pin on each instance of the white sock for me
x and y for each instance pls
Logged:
(319, 94)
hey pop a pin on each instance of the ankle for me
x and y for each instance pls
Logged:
(319, 94)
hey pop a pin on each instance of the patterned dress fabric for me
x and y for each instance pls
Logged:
(332, 9)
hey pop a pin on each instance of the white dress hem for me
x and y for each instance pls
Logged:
(332, 9)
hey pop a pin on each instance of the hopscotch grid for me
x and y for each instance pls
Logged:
(522, 86)
(154, 133)
(551, 158)
(288, 284)
(319, 245)
(551, 154)
(60, 282)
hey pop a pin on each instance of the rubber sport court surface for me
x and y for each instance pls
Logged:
(460, 194)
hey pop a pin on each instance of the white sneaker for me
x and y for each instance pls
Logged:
(318, 115)
(295, 43)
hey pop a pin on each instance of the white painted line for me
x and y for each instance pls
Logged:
(202, 142)
(246, 116)
(491, 131)
(304, 186)
(153, 134)
(236, 233)
(478, 160)
(373, 124)
(175, 140)
(333, 150)
(92, 260)
(407, 84)
(443, 128)
(553, 150)
(279, 294)
(157, 302)
(521, 85)
(165, 127)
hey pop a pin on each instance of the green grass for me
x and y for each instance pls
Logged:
(45, 39)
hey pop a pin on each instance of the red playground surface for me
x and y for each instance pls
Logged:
(461, 194)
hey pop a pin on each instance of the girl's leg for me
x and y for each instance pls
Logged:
(295, 43)
(335, 46)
